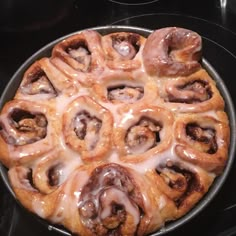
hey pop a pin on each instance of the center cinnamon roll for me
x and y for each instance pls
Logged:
(145, 131)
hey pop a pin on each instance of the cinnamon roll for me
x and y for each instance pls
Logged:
(145, 130)
(80, 56)
(26, 131)
(194, 93)
(115, 201)
(115, 134)
(123, 49)
(32, 199)
(36, 82)
(43, 81)
(182, 183)
(87, 127)
(172, 51)
(203, 140)
(53, 170)
(125, 88)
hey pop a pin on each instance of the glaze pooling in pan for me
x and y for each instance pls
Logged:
(115, 134)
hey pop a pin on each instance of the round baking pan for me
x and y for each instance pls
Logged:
(12, 86)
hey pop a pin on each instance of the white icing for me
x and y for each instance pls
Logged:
(118, 196)
(162, 202)
(154, 161)
(69, 196)
(68, 169)
(38, 206)
(114, 109)
(123, 48)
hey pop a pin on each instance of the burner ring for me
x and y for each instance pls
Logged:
(136, 2)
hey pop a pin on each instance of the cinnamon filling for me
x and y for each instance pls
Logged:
(87, 128)
(88, 210)
(181, 180)
(80, 52)
(193, 92)
(174, 180)
(29, 127)
(25, 176)
(126, 46)
(29, 178)
(181, 45)
(117, 214)
(125, 93)
(143, 136)
(54, 174)
(205, 136)
(107, 198)
(37, 82)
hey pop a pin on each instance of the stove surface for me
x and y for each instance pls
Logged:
(214, 20)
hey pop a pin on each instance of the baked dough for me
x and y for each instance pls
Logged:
(115, 134)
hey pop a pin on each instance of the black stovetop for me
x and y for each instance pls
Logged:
(22, 35)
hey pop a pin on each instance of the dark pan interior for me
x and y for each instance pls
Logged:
(12, 86)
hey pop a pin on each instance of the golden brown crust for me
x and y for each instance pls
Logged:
(172, 52)
(19, 177)
(87, 129)
(27, 131)
(203, 141)
(122, 50)
(81, 51)
(146, 132)
(184, 185)
(43, 81)
(119, 87)
(194, 93)
(115, 134)
(80, 56)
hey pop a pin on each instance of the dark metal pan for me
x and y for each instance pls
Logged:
(12, 86)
